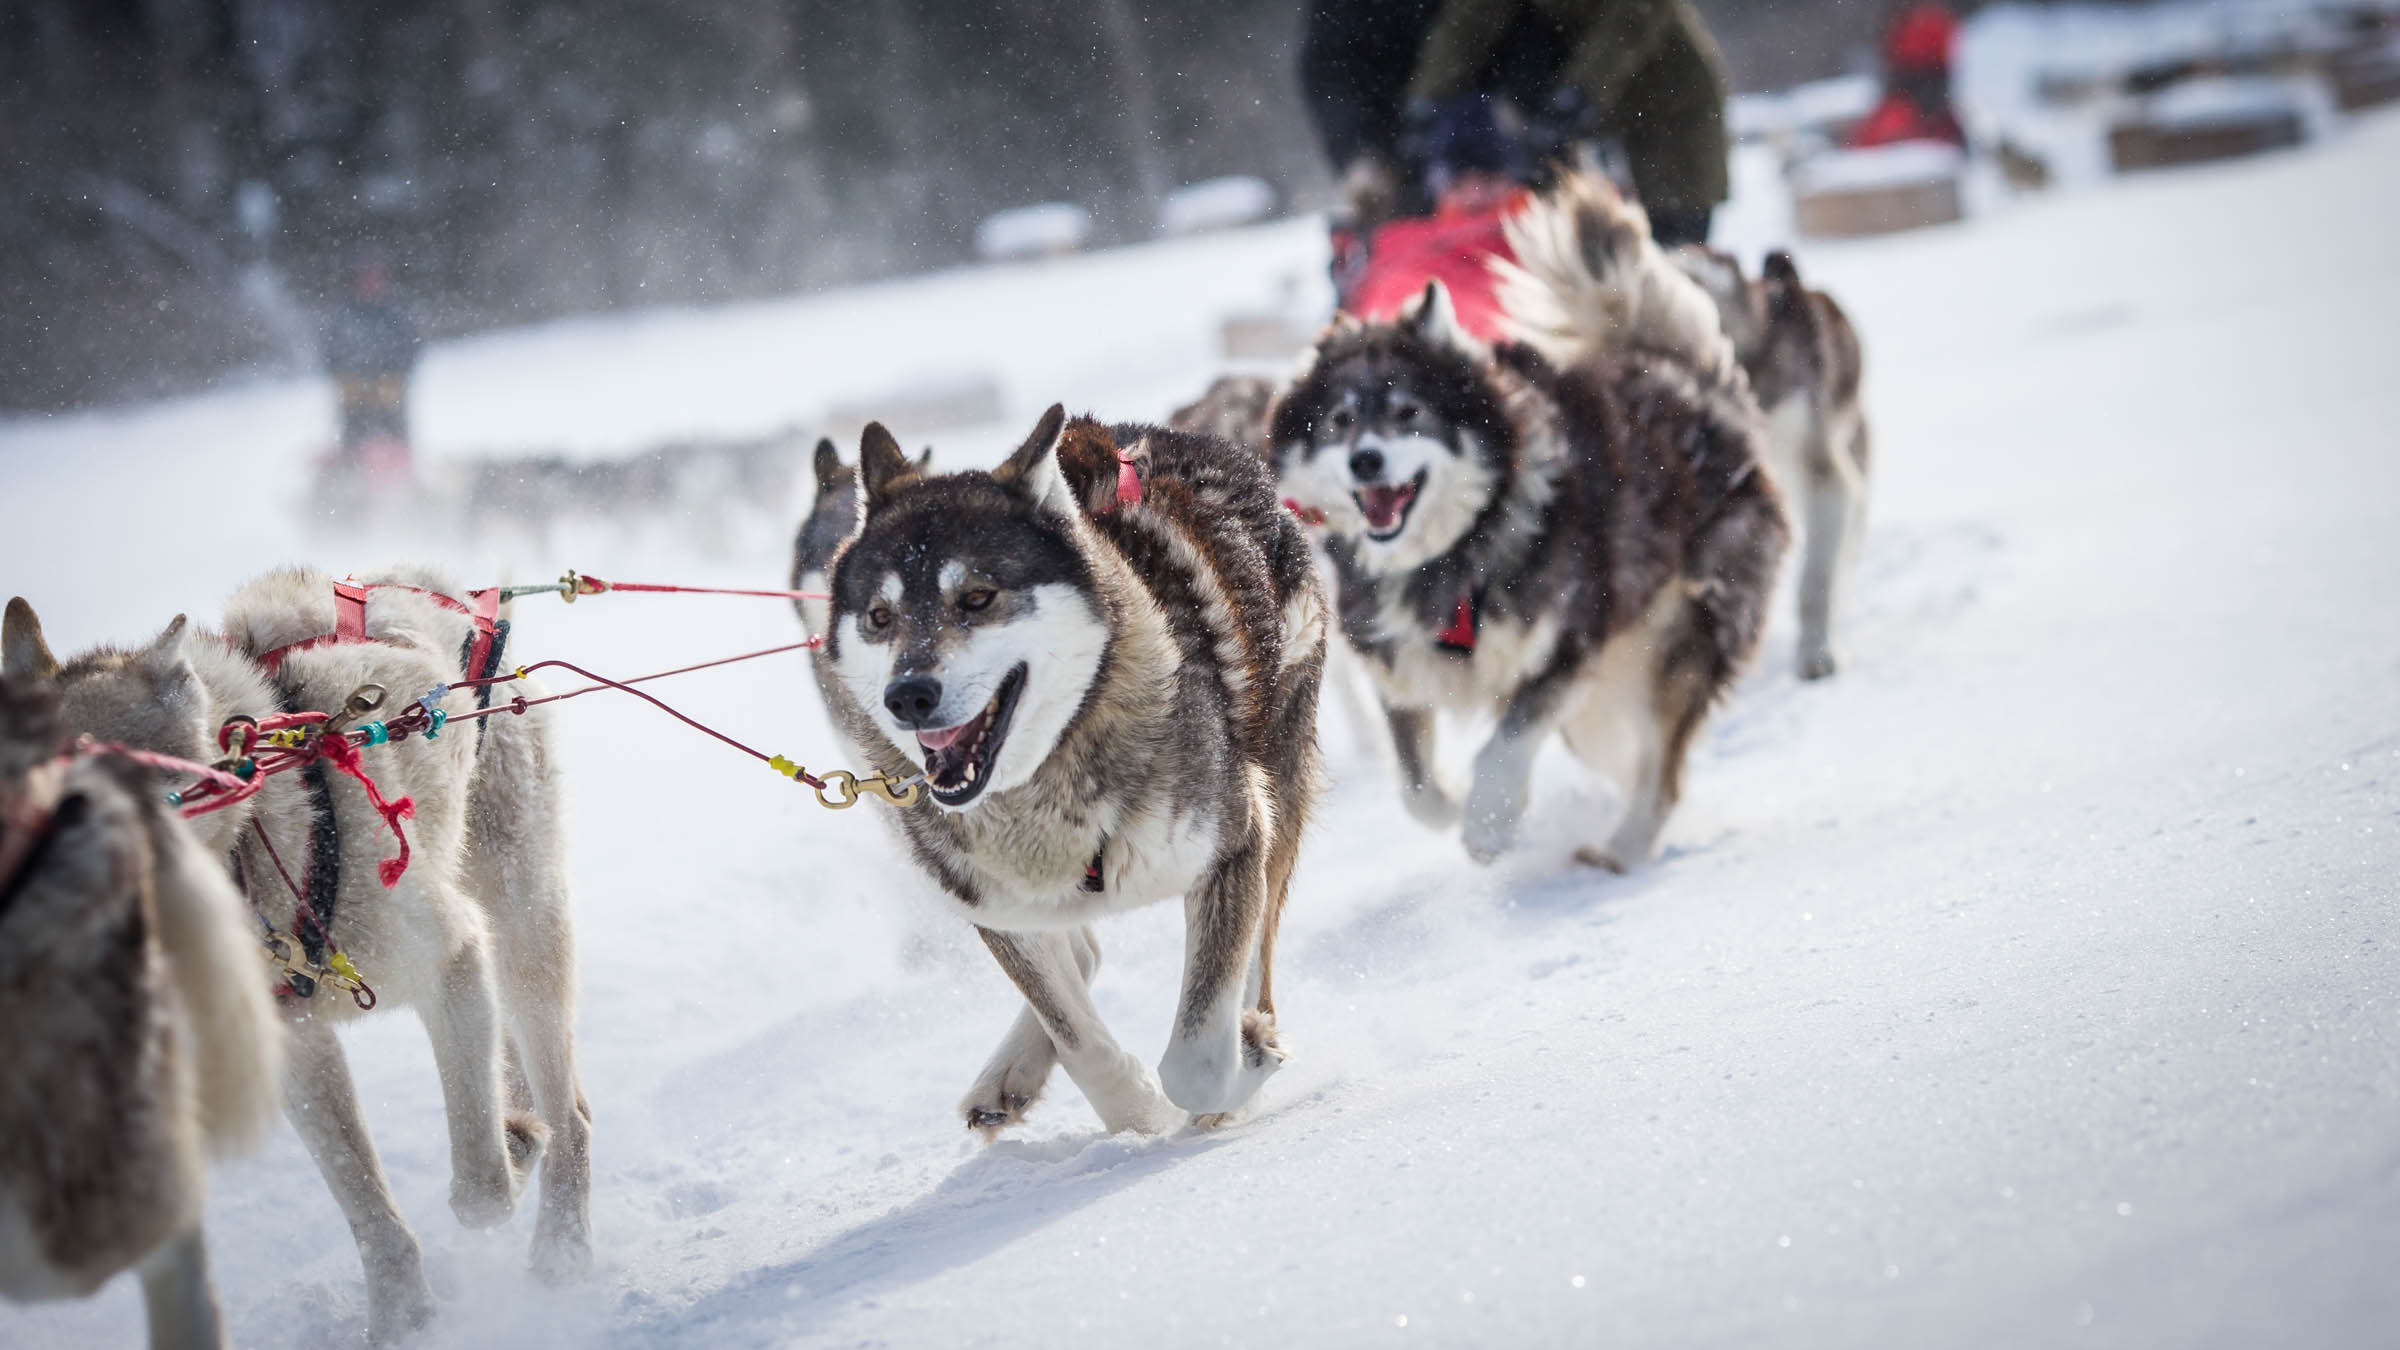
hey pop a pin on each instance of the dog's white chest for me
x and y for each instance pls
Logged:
(1425, 674)
(1155, 856)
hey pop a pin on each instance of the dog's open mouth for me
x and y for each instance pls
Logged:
(958, 760)
(1385, 505)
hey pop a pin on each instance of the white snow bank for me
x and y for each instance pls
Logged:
(1042, 230)
(1898, 165)
(1217, 204)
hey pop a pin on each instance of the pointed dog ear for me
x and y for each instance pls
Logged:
(163, 659)
(1434, 318)
(828, 461)
(23, 654)
(882, 469)
(1033, 472)
(924, 459)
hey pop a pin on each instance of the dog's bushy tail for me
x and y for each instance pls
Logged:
(1588, 282)
(206, 930)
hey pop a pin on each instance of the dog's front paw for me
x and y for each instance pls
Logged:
(1430, 805)
(1818, 662)
(991, 1108)
(1488, 834)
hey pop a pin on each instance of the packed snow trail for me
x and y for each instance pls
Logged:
(2033, 981)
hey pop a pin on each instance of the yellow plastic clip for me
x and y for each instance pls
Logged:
(340, 966)
(786, 767)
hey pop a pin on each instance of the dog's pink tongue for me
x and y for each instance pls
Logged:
(936, 740)
(1383, 504)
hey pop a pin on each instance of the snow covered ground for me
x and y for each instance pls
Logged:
(2033, 982)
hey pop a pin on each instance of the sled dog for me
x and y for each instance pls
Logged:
(1568, 533)
(1103, 655)
(474, 934)
(1802, 357)
(140, 1039)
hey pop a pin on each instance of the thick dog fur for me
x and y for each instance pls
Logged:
(476, 929)
(140, 1039)
(1602, 527)
(1135, 688)
(1802, 358)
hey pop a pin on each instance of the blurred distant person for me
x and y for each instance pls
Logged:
(1644, 74)
(371, 347)
(1916, 81)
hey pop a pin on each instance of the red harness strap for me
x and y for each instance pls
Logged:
(350, 622)
(1460, 635)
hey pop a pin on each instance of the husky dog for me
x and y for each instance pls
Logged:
(140, 1036)
(831, 520)
(476, 928)
(1105, 655)
(1582, 544)
(1802, 357)
(1235, 408)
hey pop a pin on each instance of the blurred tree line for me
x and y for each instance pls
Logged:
(186, 184)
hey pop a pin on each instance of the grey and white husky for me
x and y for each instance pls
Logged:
(1802, 357)
(1104, 656)
(1579, 542)
(139, 1036)
(475, 935)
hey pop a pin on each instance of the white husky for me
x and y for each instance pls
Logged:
(475, 928)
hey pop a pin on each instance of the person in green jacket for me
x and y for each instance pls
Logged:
(1643, 72)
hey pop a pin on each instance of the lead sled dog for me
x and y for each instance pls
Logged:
(1568, 533)
(139, 1038)
(1103, 656)
(475, 935)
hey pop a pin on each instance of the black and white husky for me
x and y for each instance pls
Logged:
(1104, 657)
(1802, 357)
(136, 1035)
(475, 935)
(1582, 543)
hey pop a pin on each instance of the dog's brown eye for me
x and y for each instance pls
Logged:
(1339, 420)
(978, 598)
(879, 617)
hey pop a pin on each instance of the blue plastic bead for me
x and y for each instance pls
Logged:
(377, 733)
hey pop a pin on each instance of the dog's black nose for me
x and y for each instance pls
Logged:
(1366, 465)
(912, 699)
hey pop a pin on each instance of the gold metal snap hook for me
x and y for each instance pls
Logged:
(842, 781)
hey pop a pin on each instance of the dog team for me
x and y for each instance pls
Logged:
(1102, 659)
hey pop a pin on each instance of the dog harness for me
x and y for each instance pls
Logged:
(479, 658)
(1460, 635)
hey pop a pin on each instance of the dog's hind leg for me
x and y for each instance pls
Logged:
(323, 1108)
(1421, 789)
(516, 862)
(1013, 1078)
(1048, 972)
(1210, 1066)
(489, 1153)
(536, 961)
(178, 1299)
(1833, 514)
